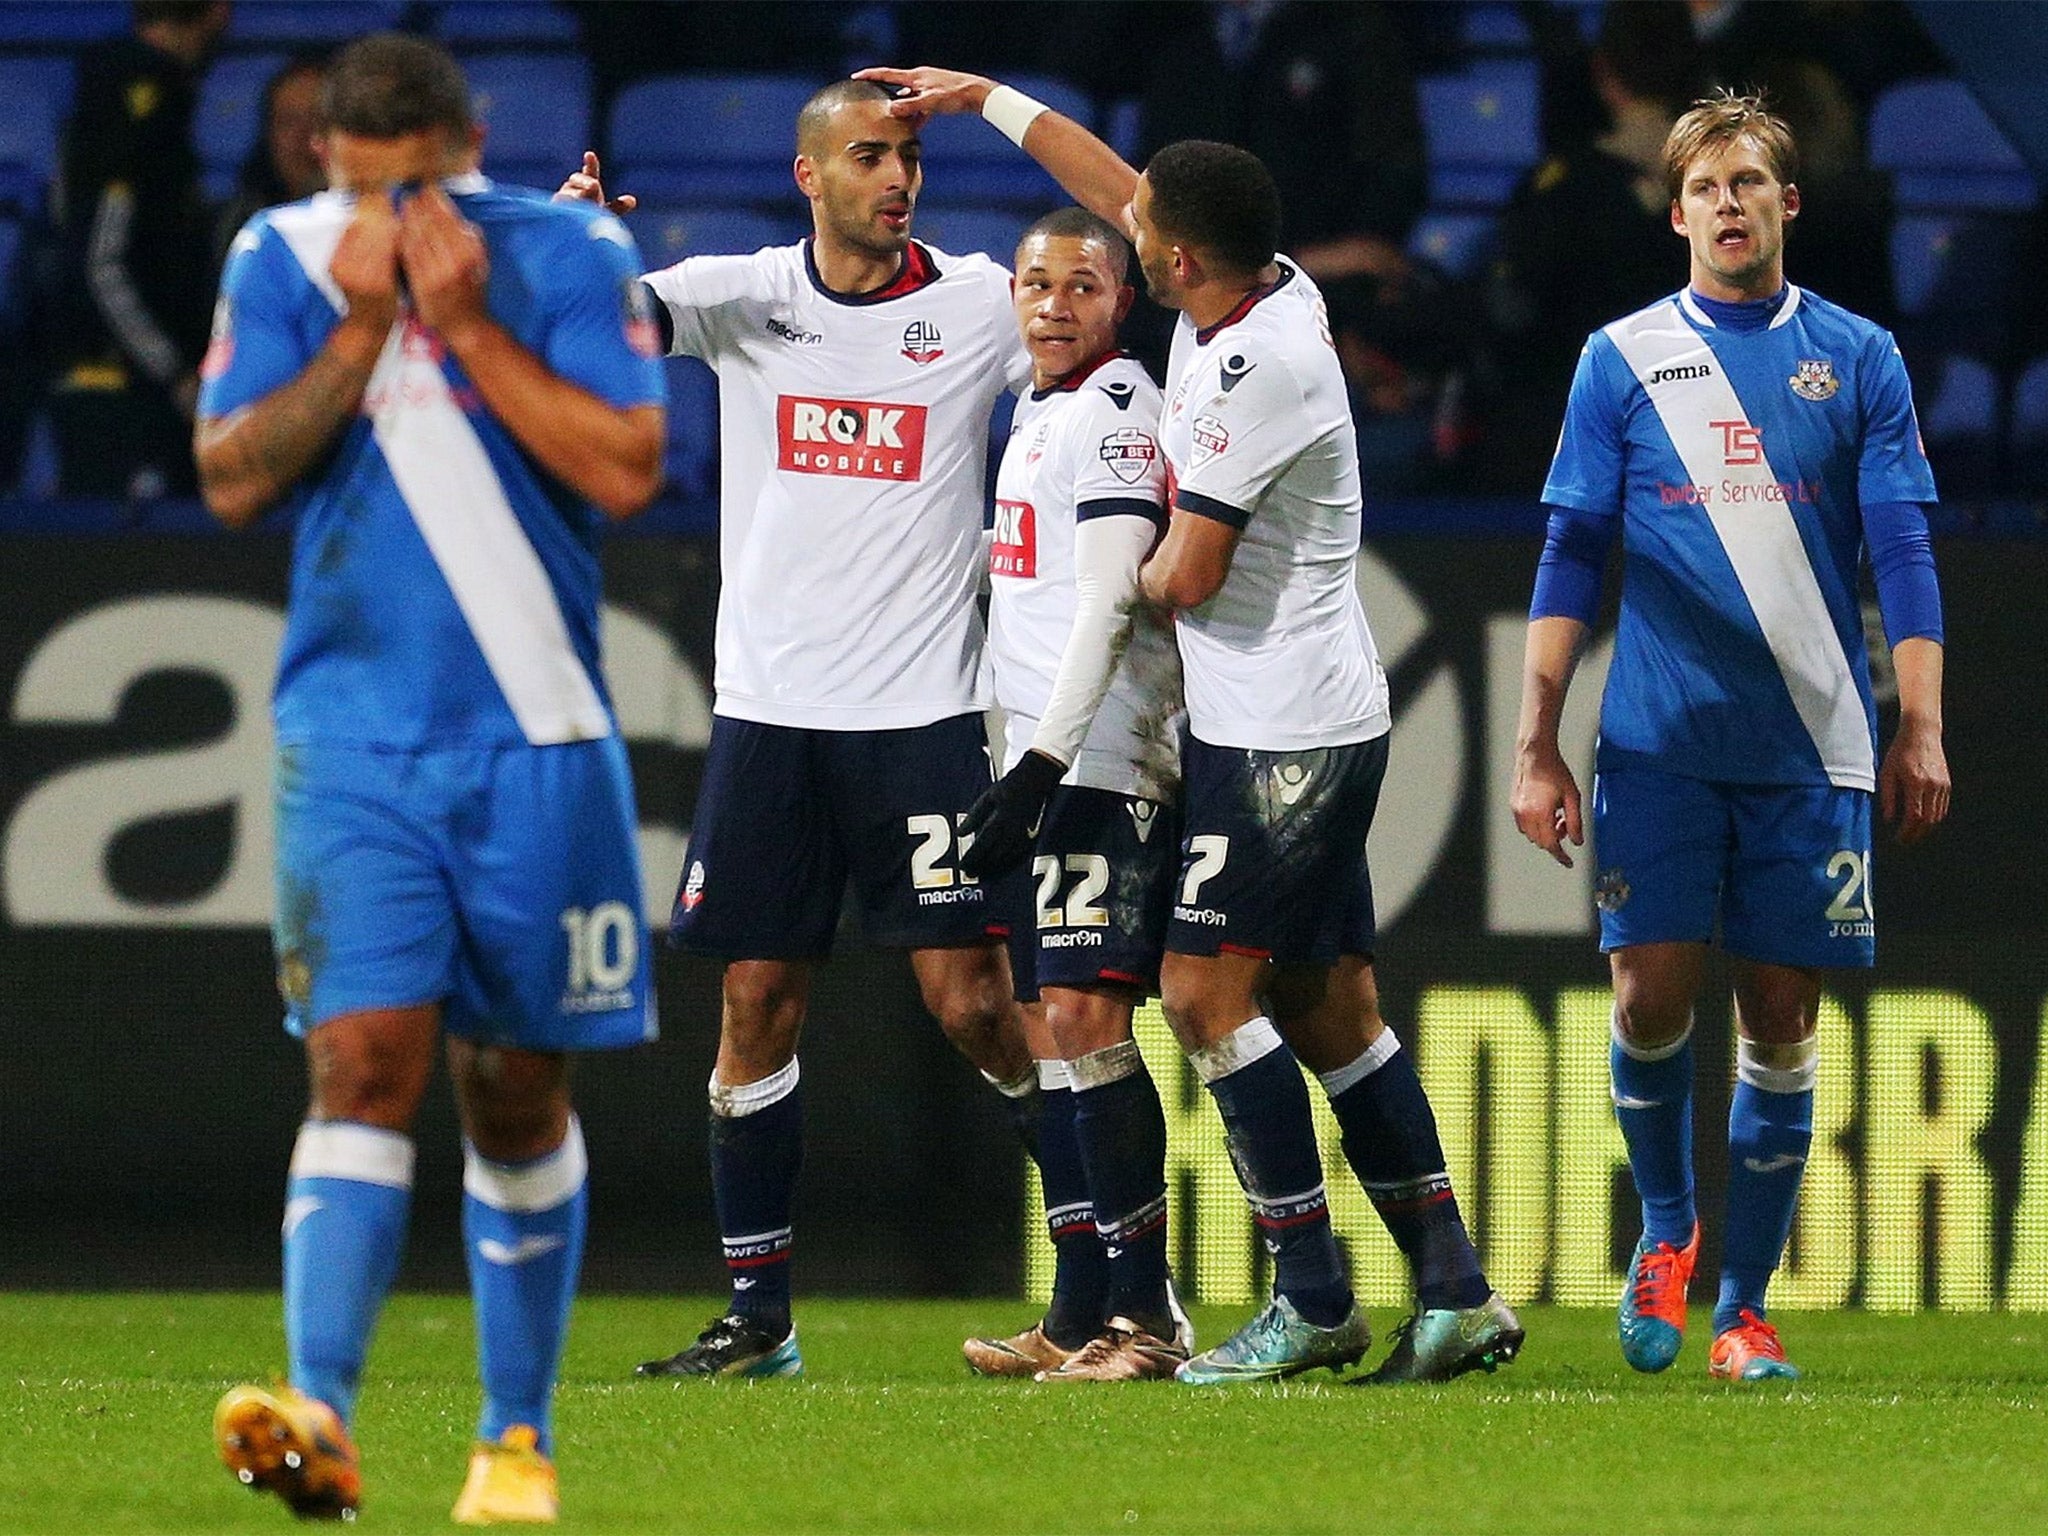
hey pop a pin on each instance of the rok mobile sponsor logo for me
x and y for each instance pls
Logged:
(859, 439)
(1014, 551)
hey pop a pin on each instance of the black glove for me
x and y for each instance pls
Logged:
(1003, 824)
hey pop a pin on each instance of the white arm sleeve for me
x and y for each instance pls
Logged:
(1107, 553)
(705, 297)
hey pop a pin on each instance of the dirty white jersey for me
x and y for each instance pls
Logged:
(1258, 435)
(853, 441)
(1084, 449)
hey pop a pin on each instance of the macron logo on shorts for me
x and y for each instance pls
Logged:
(858, 439)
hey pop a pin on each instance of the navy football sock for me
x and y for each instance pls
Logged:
(1122, 1133)
(1770, 1130)
(757, 1146)
(1391, 1142)
(344, 1229)
(1258, 1088)
(1080, 1280)
(1653, 1102)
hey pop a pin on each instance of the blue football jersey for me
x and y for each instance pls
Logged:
(1739, 462)
(444, 586)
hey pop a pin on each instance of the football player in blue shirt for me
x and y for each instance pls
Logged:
(449, 384)
(1750, 440)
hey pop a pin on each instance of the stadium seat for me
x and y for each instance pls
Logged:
(666, 234)
(1454, 243)
(1480, 132)
(1959, 421)
(467, 24)
(310, 23)
(77, 21)
(37, 93)
(1123, 127)
(1493, 28)
(691, 459)
(2030, 425)
(1944, 151)
(1954, 275)
(968, 161)
(230, 116)
(535, 108)
(12, 239)
(715, 138)
(992, 231)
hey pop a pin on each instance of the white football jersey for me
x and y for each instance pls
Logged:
(1085, 448)
(1258, 435)
(853, 439)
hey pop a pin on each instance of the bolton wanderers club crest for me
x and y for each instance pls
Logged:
(921, 342)
(1815, 379)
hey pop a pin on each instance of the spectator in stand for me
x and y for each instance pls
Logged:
(1587, 237)
(1867, 44)
(138, 256)
(284, 163)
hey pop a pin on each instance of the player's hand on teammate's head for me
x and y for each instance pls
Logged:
(365, 262)
(926, 92)
(1913, 784)
(587, 186)
(446, 265)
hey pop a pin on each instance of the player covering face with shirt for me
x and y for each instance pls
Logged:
(1752, 439)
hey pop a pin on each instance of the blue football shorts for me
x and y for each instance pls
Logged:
(1091, 907)
(501, 882)
(1784, 868)
(787, 814)
(1273, 851)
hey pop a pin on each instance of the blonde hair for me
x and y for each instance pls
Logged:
(1718, 121)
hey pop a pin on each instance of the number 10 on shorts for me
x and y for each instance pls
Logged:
(604, 953)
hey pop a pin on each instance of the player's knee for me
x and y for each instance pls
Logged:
(763, 1002)
(373, 1077)
(514, 1104)
(1650, 1020)
(1082, 1022)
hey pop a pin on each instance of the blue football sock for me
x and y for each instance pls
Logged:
(1391, 1142)
(1258, 1087)
(344, 1229)
(1122, 1133)
(522, 1227)
(1770, 1129)
(757, 1148)
(1080, 1281)
(1653, 1102)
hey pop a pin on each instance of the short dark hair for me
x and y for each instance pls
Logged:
(181, 13)
(388, 85)
(1080, 224)
(1217, 198)
(816, 113)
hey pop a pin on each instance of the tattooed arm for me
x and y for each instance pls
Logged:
(249, 460)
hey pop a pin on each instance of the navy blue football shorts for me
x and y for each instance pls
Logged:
(500, 882)
(786, 815)
(1092, 908)
(1273, 858)
(1784, 868)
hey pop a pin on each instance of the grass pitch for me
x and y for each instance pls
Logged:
(1906, 1424)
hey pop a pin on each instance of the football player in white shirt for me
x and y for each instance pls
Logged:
(857, 370)
(1089, 690)
(1272, 936)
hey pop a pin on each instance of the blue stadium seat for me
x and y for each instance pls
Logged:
(37, 93)
(76, 21)
(535, 108)
(2030, 425)
(1489, 27)
(716, 138)
(12, 239)
(309, 23)
(667, 233)
(1480, 132)
(1123, 127)
(1954, 277)
(1944, 151)
(691, 459)
(497, 23)
(1959, 421)
(230, 116)
(1455, 243)
(968, 161)
(992, 231)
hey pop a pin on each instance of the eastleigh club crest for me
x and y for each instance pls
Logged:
(921, 342)
(1815, 379)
